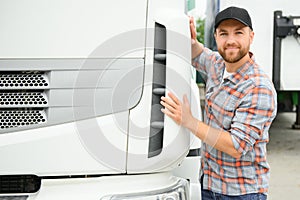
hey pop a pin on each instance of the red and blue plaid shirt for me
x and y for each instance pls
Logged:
(243, 104)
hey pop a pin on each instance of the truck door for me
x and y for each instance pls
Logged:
(155, 142)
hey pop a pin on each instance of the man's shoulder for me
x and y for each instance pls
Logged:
(259, 78)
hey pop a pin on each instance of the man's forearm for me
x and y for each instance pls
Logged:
(218, 139)
(197, 48)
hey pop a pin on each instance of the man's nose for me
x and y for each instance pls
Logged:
(230, 39)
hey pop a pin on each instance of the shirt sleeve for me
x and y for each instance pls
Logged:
(253, 118)
(204, 61)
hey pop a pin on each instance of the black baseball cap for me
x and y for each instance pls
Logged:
(236, 13)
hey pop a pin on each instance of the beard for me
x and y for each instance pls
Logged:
(233, 57)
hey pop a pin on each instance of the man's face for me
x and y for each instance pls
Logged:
(233, 40)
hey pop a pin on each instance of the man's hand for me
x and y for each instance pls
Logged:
(181, 114)
(193, 30)
(197, 47)
(179, 111)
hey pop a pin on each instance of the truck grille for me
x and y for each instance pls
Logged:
(15, 99)
(14, 80)
(15, 118)
(14, 184)
(23, 99)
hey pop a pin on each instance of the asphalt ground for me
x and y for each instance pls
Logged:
(284, 158)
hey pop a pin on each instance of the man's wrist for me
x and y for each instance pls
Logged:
(193, 125)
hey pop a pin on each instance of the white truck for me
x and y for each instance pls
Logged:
(276, 44)
(80, 87)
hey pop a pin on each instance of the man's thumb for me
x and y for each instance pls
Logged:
(185, 100)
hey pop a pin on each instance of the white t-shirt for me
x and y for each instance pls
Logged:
(226, 74)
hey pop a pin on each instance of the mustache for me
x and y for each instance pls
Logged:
(232, 45)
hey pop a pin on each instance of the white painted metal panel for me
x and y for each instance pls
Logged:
(66, 28)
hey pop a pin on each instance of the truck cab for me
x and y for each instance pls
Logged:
(80, 86)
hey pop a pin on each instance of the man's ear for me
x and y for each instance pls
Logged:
(251, 36)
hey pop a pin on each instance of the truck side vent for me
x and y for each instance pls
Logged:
(16, 99)
(159, 87)
(16, 118)
(14, 197)
(23, 99)
(23, 80)
(11, 184)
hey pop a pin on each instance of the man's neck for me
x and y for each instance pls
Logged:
(233, 67)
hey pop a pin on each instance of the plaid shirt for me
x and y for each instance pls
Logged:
(243, 104)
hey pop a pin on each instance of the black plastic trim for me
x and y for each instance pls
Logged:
(158, 86)
(194, 152)
(276, 52)
(14, 184)
(283, 27)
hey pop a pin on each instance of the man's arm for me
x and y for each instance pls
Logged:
(219, 139)
(197, 47)
(181, 114)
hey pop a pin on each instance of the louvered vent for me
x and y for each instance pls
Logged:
(23, 99)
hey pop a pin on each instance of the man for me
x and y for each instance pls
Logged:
(240, 107)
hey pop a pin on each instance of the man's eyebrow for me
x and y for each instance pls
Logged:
(222, 30)
(240, 27)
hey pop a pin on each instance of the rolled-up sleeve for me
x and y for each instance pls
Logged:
(252, 118)
(204, 61)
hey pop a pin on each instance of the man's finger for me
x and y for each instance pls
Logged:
(168, 107)
(193, 28)
(174, 98)
(168, 113)
(186, 101)
(169, 102)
